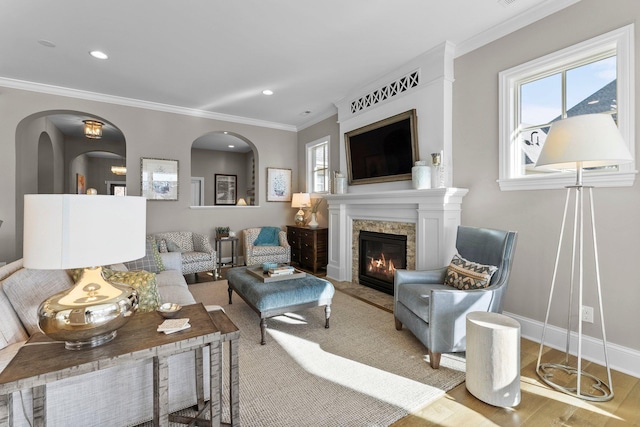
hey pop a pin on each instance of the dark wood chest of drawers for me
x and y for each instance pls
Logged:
(309, 246)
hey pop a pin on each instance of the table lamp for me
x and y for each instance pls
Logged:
(579, 142)
(67, 231)
(300, 200)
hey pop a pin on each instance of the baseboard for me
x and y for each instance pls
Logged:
(621, 358)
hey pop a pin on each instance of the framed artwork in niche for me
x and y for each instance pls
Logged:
(226, 189)
(159, 179)
(278, 185)
(81, 184)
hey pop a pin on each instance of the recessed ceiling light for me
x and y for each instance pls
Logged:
(98, 54)
(46, 43)
(230, 145)
(267, 92)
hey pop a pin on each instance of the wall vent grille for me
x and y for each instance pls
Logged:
(397, 87)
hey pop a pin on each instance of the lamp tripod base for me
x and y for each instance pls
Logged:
(595, 391)
(91, 342)
(562, 377)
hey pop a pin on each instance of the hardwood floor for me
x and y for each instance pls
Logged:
(539, 406)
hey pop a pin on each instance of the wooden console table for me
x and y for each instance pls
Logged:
(136, 340)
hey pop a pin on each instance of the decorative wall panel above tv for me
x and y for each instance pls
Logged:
(383, 151)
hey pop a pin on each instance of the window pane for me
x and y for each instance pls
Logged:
(531, 142)
(541, 100)
(319, 166)
(591, 88)
(320, 181)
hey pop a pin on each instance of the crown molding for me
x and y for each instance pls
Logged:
(527, 17)
(136, 103)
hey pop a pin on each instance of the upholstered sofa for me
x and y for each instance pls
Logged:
(195, 249)
(117, 396)
(272, 248)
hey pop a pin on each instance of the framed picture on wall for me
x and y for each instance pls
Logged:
(278, 185)
(159, 179)
(226, 189)
(81, 185)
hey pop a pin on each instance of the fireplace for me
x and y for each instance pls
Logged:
(380, 255)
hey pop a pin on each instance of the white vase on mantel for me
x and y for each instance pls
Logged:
(421, 175)
(313, 224)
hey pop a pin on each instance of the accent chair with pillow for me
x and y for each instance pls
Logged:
(266, 244)
(195, 250)
(433, 304)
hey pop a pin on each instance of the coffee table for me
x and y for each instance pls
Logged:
(137, 340)
(270, 299)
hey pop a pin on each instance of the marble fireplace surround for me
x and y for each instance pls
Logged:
(431, 216)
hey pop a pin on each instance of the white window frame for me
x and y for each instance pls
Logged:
(620, 42)
(308, 154)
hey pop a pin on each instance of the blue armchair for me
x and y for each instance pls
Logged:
(436, 313)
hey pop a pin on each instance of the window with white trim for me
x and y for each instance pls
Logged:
(595, 76)
(318, 166)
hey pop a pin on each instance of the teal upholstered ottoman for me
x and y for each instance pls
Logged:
(270, 299)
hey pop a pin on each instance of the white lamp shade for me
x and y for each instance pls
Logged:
(300, 200)
(591, 139)
(64, 231)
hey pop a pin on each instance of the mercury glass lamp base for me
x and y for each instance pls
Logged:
(298, 219)
(92, 342)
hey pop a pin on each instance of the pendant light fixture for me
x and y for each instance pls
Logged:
(92, 129)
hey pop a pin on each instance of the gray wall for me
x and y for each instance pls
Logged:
(327, 127)
(537, 215)
(208, 163)
(148, 133)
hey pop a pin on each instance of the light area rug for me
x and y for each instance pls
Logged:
(359, 372)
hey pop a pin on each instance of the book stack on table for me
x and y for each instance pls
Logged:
(281, 271)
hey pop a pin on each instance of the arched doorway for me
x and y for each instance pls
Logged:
(46, 144)
(230, 156)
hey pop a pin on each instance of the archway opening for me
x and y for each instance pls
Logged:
(223, 170)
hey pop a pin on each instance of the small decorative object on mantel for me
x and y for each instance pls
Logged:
(313, 223)
(340, 183)
(437, 176)
(222, 232)
(421, 175)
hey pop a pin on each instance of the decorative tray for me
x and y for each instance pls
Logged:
(257, 272)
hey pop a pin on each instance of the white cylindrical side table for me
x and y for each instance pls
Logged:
(493, 358)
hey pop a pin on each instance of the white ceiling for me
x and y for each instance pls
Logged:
(217, 56)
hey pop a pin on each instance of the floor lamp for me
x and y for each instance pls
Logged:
(579, 142)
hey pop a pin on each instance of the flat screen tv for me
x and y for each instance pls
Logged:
(383, 151)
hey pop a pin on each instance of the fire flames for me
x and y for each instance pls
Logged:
(381, 267)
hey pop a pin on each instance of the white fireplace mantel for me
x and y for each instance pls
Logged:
(435, 212)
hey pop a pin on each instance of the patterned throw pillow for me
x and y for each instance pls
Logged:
(466, 275)
(143, 282)
(162, 246)
(173, 247)
(151, 260)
